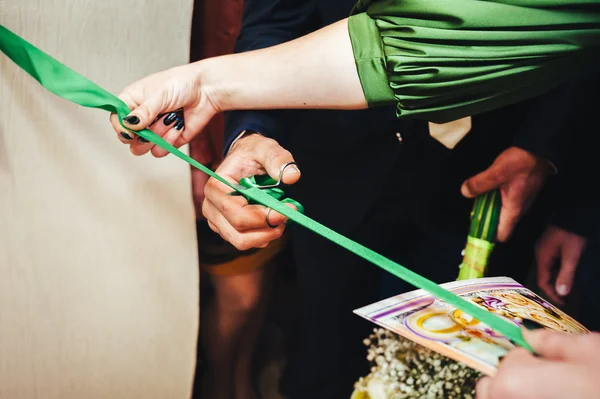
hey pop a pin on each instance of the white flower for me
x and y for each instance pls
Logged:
(401, 369)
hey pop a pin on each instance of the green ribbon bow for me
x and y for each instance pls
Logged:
(68, 84)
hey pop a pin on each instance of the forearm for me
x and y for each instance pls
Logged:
(316, 71)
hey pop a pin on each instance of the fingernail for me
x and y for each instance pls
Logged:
(562, 289)
(179, 125)
(126, 136)
(143, 140)
(169, 118)
(464, 190)
(532, 325)
(132, 119)
(292, 169)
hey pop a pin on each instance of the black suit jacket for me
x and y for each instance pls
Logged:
(346, 157)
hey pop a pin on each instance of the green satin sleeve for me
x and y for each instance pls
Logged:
(442, 60)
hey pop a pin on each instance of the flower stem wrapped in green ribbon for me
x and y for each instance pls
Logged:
(480, 242)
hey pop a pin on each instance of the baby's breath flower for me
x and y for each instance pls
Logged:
(402, 369)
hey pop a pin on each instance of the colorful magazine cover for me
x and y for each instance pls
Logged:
(438, 326)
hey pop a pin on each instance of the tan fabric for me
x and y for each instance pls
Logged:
(98, 262)
(449, 134)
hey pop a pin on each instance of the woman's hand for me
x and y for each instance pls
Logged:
(314, 71)
(154, 102)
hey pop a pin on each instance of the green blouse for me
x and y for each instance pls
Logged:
(442, 60)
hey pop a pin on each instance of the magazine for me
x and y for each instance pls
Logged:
(418, 316)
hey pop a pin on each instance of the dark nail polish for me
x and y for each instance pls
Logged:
(143, 140)
(179, 125)
(169, 118)
(532, 325)
(126, 136)
(132, 119)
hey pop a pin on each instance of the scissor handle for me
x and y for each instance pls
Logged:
(270, 186)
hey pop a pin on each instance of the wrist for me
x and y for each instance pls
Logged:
(207, 72)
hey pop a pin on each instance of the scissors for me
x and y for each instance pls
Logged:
(262, 182)
(270, 186)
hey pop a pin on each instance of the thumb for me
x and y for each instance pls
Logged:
(143, 116)
(507, 222)
(554, 345)
(481, 183)
(566, 274)
(277, 161)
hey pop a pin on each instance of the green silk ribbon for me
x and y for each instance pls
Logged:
(68, 84)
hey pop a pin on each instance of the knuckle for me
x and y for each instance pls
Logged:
(223, 208)
(186, 136)
(278, 153)
(239, 222)
(214, 228)
(157, 152)
(265, 142)
(241, 244)
(205, 210)
(209, 186)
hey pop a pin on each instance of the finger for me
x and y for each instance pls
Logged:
(509, 217)
(235, 209)
(482, 389)
(143, 115)
(244, 240)
(276, 218)
(196, 120)
(172, 126)
(160, 127)
(560, 346)
(546, 254)
(566, 274)
(274, 158)
(517, 377)
(213, 227)
(491, 178)
(116, 123)
(124, 135)
(170, 137)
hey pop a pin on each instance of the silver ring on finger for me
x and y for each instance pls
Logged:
(267, 213)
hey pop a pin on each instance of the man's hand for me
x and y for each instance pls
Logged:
(560, 245)
(567, 366)
(243, 225)
(519, 175)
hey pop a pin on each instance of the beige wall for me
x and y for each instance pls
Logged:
(98, 276)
